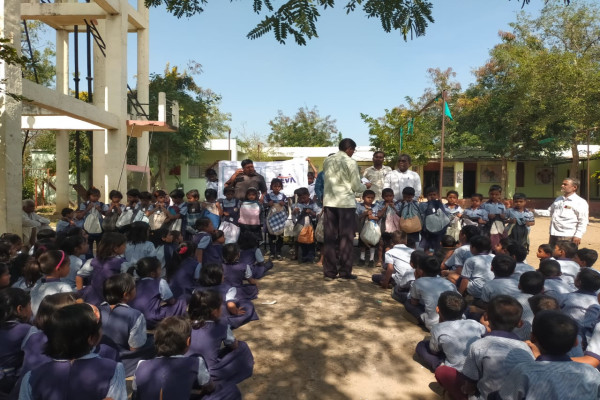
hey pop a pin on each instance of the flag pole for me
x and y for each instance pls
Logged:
(442, 144)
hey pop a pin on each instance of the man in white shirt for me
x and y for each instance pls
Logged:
(403, 177)
(31, 220)
(377, 173)
(342, 180)
(569, 214)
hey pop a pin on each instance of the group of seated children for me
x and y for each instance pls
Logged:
(144, 305)
(495, 319)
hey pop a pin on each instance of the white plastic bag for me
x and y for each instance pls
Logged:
(370, 233)
(92, 222)
(230, 231)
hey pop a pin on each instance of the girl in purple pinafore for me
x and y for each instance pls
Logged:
(183, 271)
(236, 311)
(74, 372)
(251, 255)
(232, 363)
(153, 294)
(214, 251)
(106, 264)
(236, 272)
(172, 376)
(15, 311)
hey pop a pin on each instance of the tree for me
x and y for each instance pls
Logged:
(306, 129)
(198, 109)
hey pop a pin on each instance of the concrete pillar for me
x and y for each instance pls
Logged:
(459, 177)
(511, 181)
(143, 81)
(11, 163)
(115, 36)
(99, 137)
(62, 137)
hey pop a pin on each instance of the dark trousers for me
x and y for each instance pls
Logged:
(431, 360)
(92, 238)
(308, 252)
(555, 239)
(255, 230)
(340, 225)
(275, 244)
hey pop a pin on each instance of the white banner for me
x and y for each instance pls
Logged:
(291, 172)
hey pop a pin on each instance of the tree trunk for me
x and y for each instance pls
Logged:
(504, 175)
(574, 170)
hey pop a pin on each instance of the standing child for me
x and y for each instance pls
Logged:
(177, 213)
(367, 214)
(410, 215)
(165, 247)
(54, 265)
(184, 270)
(112, 211)
(496, 210)
(476, 214)
(276, 212)
(211, 208)
(15, 312)
(153, 294)
(172, 376)
(75, 372)
(306, 211)
(228, 359)
(75, 247)
(520, 220)
(251, 213)
(157, 212)
(91, 214)
(435, 220)
(212, 179)
(194, 208)
(107, 263)
(123, 326)
(455, 211)
(236, 272)
(230, 206)
(138, 243)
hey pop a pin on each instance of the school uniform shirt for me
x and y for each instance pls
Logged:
(458, 258)
(520, 269)
(591, 332)
(453, 210)
(552, 377)
(212, 185)
(74, 267)
(499, 286)
(45, 287)
(397, 181)
(427, 290)
(137, 251)
(454, 338)
(521, 217)
(311, 190)
(555, 287)
(475, 214)
(311, 205)
(113, 326)
(43, 382)
(491, 358)
(569, 216)
(569, 269)
(576, 304)
(494, 208)
(478, 270)
(524, 332)
(377, 178)
(399, 257)
(63, 226)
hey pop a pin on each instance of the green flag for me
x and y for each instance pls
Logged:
(447, 111)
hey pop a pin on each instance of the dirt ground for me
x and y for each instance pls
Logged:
(342, 340)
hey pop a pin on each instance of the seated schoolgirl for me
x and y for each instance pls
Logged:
(237, 311)
(15, 312)
(107, 263)
(75, 372)
(184, 270)
(54, 265)
(153, 294)
(75, 247)
(228, 359)
(138, 243)
(251, 255)
(214, 251)
(171, 375)
(203, 238)
(165, 245)
(236, 272)
(122, 325)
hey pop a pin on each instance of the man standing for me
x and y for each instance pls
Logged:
(569, 214)
(377, 173)
(342, 180)
(402, 177)
(244, 178)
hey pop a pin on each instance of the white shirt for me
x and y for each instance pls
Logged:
(569, 216)
(399, 257)
(376, 177)
(397, 181)
(30, 221)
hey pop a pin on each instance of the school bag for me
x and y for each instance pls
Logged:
(194, 213)
(307, 233)
(250, 213)
(156, 220)
(92, 222)
(370, 233)
(410, 218)
(231, 231)
(109, 223)
(127, 217)
(436, 219)
(276, 219)
(320, 230)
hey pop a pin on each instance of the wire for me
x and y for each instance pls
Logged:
(125, 158)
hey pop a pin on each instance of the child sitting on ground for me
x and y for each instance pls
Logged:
(67, 220)
(172, 376)
(544, 252)
(250, 254)
(554, 286)
(553, 335)
(519, 254)
(577, 303)
(462, 253)
(397, 263)
(531, 284)
(54, 265)
(503, 267)
(213, 253)
(586, 258)
(476, 271)
(75, 247)
(564, 252)
(236, 272)
(138, 243)
(425, 292)
(366, 213)
(451, 338)
(183, 270)
(401, 288)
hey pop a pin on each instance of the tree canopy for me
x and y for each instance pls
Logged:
(306, 129)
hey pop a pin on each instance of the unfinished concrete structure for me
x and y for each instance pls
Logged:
(106, 116)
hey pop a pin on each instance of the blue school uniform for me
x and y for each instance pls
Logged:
(45, 287)
(557, 288)
(576, 304)
(89, 377)
(458, 258)
(232, 207)
(102, 270)
(230, 294)
(453, 339)
(520, 269)
(427, 290)
(473, 215)
(235, 274)
(224, 364)
(125, 328)
(184, 279)
(569, 269)
(494, 227)
(12, 335)
(151, 293)
(478, 270)
(213, 254)
(498, 286)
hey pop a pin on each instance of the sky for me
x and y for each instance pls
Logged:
(353, 67)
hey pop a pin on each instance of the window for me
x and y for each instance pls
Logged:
(194, 172)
